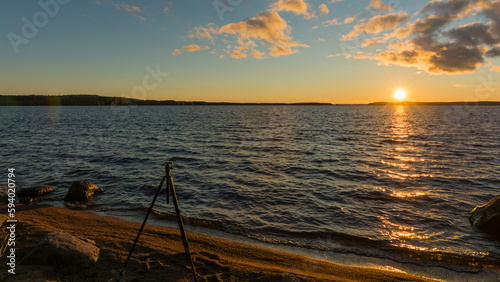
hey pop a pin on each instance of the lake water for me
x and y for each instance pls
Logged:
(379, 181)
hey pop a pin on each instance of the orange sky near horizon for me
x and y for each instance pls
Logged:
(342, 52)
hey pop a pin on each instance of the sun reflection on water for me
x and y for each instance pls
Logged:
(406, 159)
(399, 235)
(401, 194)
(407, 195)
(398, 162)
(401, 165)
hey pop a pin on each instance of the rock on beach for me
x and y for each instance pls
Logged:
(81, 190)
(69, 253)
(487, 216)
(35, 191)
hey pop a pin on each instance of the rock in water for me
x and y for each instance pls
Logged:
(487, 216)
(81, 190)
(35, 191)
(68, 253)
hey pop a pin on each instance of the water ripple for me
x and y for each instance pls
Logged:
(333, 178)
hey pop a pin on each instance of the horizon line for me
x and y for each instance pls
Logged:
(127, 100)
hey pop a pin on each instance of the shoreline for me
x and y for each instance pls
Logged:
(159, 252)
(438, 265)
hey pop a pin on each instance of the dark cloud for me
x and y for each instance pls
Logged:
(449, 8)
(430, 47)
(474, 34)
(492, 12)
(442, 58)
(455, 58)
(493, 52)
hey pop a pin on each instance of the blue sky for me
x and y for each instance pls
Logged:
(260, 51)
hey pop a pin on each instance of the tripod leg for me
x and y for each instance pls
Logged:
(142, 227)
(170, 185)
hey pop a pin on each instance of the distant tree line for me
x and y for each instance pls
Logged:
(75, 100)
(96, 100)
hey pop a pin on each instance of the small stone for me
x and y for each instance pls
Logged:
(35, 191)
(81, 190)
(26, 200)
(487, 216)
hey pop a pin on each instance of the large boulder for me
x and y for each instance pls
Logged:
(487, 216)
(35, 191)
(69, 253)
(81, 190)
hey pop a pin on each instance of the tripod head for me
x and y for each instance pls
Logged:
(168, 167)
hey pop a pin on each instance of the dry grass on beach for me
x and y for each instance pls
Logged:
(159, 255)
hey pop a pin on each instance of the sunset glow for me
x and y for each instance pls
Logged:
(400, 94)
(265, 51)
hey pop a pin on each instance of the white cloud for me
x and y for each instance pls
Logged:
(379, 5)
(298, 7)
(323, 9)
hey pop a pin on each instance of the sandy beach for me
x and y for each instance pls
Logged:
(159, 255)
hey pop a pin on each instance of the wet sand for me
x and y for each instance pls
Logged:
(159, 254)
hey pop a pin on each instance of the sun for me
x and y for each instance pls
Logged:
(400, 94)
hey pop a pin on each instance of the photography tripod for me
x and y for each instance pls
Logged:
(170, 189)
